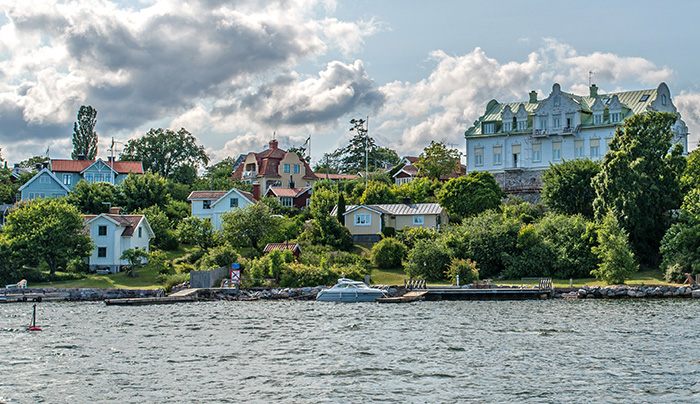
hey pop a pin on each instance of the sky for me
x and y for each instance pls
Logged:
(237, 73)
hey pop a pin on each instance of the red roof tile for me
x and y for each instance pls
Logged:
(287, 192)
(281, 246)
(76, 166)
(129, 221)
(206, 194)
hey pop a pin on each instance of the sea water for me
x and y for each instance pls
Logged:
(636, 351)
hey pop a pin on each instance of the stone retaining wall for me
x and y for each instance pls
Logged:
(89, 294)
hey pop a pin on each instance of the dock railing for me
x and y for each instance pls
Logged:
(411, 284)
(543, 284)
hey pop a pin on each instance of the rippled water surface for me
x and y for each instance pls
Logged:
(308, 352)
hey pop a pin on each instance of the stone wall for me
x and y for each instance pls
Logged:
(207, 279)
(525, 184)
(86, 294)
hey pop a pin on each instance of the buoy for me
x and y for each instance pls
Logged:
(32, 326)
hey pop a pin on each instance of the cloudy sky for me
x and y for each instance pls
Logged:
(235, 72)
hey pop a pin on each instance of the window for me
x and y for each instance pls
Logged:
(497, 151)
(556, 122)
(286, 168)
(363, 219)
(543, 123)
(286, 201)
(297, 169)
(88, 178)
(615, 117)
(102, 252)
(644, 98)
(488, 128)
(578, 148)
(595, 148)
(97, 178)
(556, 150)
(663, 99)
(44, 179)
(522, 125)
(206, 204)
(479, 156)
(507, 126)
(67, 178)
(233, 202)
(102, 230)
(140, 232)
(536, 152)
(516, 155)
(607, 142)
(598, 119)
(418, 220)
(308, 184)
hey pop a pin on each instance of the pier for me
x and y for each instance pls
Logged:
(543, 290)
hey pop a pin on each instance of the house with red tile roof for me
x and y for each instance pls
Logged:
(410, 171)
(275, 167)
(112, 234)
(212, 204)
(288, 197)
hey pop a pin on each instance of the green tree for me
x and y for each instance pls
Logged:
(691, 175)
(617, 260)
(388, 253)
(377, 193)
(420, 190)
(567, 188)
(93, 198)
(429, 260)
(340, 214)
(135, 258)
(165, 237)
(142, 191)
(164, 151)
(639, 181)
(470, 195)
(361, 150)
(48, 230)
(84, 135)
(250, 226)
(437, 161)
(33, 161)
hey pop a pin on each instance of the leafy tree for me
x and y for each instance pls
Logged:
(144, 190)
(222, 181)
(567, 187)
(8, 188)
(429, 260)
(325, 229)
(198, 231)
(388, 253)
(33, 161)
(470, 195)
(691, 175)
(420, 190)
(464, 268)
(164, 151)
(165, 237)
(437, 160)
(639, 181)
(249, 226)
(617, 260)
(48, 230)
(377, 192)
(361, 150)
(680, 248)
(135, 258)
(84, 135)
(340, 214)
(93, 198)
(322, 202)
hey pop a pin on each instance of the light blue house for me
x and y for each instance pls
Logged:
(59, 178)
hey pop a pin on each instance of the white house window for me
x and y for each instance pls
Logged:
(206, 204)
(507, 126)
(297, 169)
(595, 148)
(140, 232)
(607, 142)
(556, 150)
(479, 156)
(67, 178)
(556, 122)
(615, 117)
(663, 99)
(102, 230)
(522, 125)
(233, 202)
(363, 219)
(286, 201)
(543, 123)
(537, 152)
(489, 128)
(578, 148)
(286, 168)
(598, 119)
(88, 178)
(418, 220)
(497, 153)
(44, 179)
(102, 252)
(516, 155)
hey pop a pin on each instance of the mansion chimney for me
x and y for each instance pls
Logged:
(256, 192)
(114, 210)
(533, 96)
(273, 144)
(594, 91)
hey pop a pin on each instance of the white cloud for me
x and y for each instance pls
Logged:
(688, 104)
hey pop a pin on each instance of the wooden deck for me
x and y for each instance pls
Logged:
(454, 293)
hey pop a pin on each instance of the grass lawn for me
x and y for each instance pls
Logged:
(145, 279)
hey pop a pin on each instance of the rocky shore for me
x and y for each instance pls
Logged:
(626, 292)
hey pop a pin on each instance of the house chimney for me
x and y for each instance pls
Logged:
(81, 157)
(273, 144)
(594, 91)
(110, 158)
(256, 192)
(533, 96)
(38, 166)
(114, 210)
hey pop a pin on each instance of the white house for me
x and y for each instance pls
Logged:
(112, 234)
(516, 141)
(213, 204)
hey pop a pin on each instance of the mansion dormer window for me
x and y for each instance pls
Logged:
(598, 119)
(615, 117)
(489, 128)
(663, 99)
(479, 156)
(507, 126)
(522, 125)
(286, 168)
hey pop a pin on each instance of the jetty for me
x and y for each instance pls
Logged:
(182, 296)
(543, 290)
(32, 296)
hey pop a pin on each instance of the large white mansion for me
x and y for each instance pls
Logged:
(517, 141)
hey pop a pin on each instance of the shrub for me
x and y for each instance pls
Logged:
(388, 231)
(195, 255)
(388, 253)
(77, 266)
(617, 260)
(411, 236)
(674, 273)
(221, 256)
(169, 281)
(301, 275)
(428, 260)
(464, 268)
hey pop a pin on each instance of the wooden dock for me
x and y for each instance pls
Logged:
(182, 296)
(412, 296)
(34, 297)
(543, 290)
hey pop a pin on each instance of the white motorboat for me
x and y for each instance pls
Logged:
(348, 290)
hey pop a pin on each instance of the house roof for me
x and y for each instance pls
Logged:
(78, 166)
(268, 162)
(129, 222)
(39, 174)
(218, 195)
(282, 246)
(397, 209)
(287, 192)
(336, 177)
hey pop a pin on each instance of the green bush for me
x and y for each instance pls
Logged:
(429, 260)
(217, 257)
(195, 255)
(300, 275)
(169, 281)
(617, 260)
(675, 273)
(388, 253)
(411, 236)
(465, 268)
(388, 231)
(77, 266)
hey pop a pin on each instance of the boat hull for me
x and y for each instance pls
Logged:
(348, 296)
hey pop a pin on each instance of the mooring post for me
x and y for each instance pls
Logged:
(571, 282)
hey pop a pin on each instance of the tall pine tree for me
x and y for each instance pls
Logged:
(84, 135)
